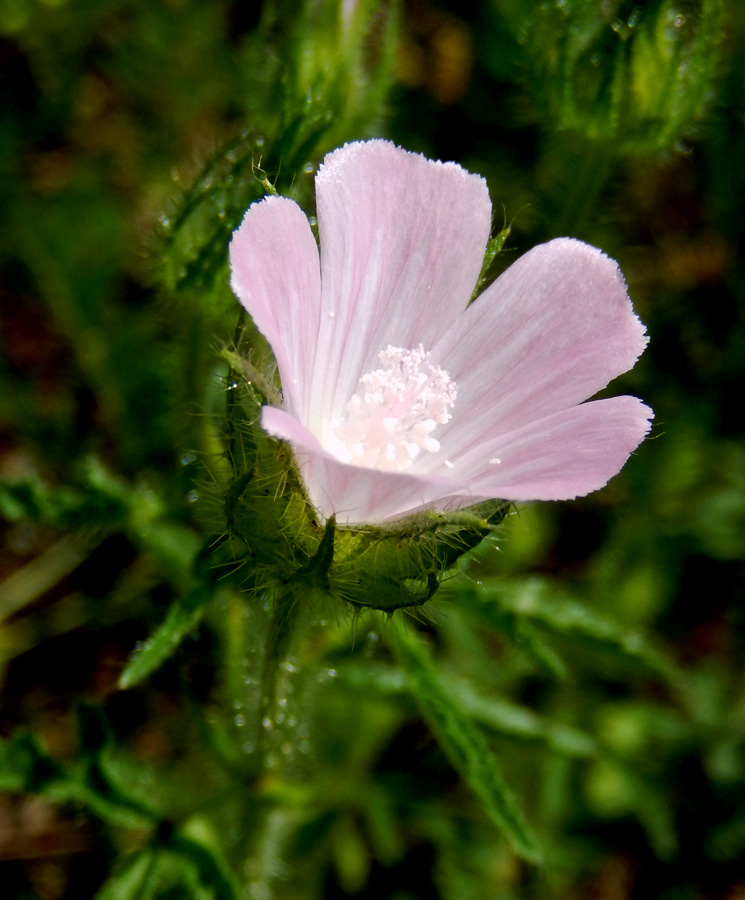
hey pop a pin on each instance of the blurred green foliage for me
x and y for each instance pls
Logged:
(576, 684)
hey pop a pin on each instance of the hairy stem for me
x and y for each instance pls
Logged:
(288, 598)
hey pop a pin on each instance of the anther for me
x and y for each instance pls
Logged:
(391, 420)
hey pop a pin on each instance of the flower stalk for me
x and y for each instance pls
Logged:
(288, 599)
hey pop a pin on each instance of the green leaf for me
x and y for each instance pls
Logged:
(727, 841)
(500, 716)
(635, 83)
(177, 868)
(183, 617)
(533, 604)
(197, 235)
(515, 721)
(64, 507)
(41, 574)
(170, 542)
(99, 499)
(25, 767)
(209, 865)
(464, 744)
(131, 881)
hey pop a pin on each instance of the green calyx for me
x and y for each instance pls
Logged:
(270, 520)
(401, 565)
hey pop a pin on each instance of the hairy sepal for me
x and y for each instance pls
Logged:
(265, 505)
(386, 567)
(401, 565)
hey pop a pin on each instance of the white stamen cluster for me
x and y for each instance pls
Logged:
(392, 420)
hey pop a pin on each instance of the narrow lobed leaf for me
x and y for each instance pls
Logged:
(464, 745)
(529, 603)
(182, 618)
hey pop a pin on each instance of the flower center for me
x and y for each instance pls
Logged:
(391, 420)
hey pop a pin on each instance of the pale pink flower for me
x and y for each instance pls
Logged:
(398, 395)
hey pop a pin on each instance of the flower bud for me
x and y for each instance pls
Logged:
(640, 82)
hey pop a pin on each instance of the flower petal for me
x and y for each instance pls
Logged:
(562, 456)
(354, 494)
(402, 242)
(275, 272)
(553, 330)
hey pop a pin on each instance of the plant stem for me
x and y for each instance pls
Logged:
(281, 629)
(288, 595)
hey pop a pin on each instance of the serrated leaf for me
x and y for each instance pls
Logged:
(183, 617)
(464, 745)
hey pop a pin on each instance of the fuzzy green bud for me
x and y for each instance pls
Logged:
(401, 565)
(637, 79)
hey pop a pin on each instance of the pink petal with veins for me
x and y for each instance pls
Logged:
(402, 240)
(355, 495)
